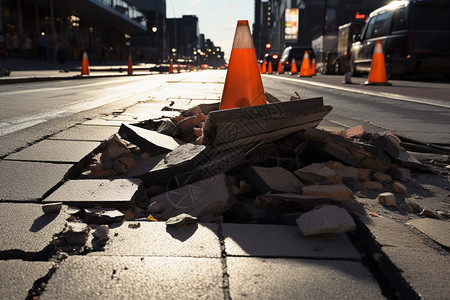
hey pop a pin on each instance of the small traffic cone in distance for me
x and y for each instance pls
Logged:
(130, 65)
(171, 67)
(243, 86)
(264, 67)
(280, 68)
(85, 64)
(179, 67)
(305, 70)
(377, 74)
(313, 66)
(293, 67)
(269, 69)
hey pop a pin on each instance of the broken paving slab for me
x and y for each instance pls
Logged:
(26, 229)
(285, 241)
(281, 278)
(325, 219)
(148, 140)
(437, 230)
(424, 270)
(86, 133)
(157, 239)
(29, 181)
(305, 202)
(56, 151)
(230, 128)
(91, 192)
(211, 196)
(17, 277)
(338, 192)
(136, 278)
(274, 179)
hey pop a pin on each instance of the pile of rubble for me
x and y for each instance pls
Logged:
(259, 164)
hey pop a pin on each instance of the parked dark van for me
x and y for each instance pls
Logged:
(415, 36)
(297, 53)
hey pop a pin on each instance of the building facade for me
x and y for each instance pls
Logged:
(51, 29)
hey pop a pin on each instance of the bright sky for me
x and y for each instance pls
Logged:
(217, 18)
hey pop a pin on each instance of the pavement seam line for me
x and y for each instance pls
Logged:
(223, 260)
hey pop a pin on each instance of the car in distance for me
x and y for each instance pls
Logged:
(415, 35)
(297, 53)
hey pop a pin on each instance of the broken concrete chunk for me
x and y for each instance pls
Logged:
(353, 173)
(245, 187)
(428, 213)
(326, 219)
(373, 185)
(401, 174)
(338, 192)
(52, 207)
(209, 196)
(275, 179)
(181, 220)
(382, 177)
(397, 187)
(169, 127)
(76, 233)
(115, 148)
(101, 233)
(304, 202)
(154, 207)
(387, 199)
(318, 172)
(355, 131)
(152, 141)
(103, 215)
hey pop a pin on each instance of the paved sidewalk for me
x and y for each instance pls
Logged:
(207, 260)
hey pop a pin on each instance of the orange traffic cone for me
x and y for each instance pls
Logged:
(280, 68)
(377, 74)
(85, 64)
(171, 67)
(269, 69)
(293, 67)
(179, 67)
(305, 70)
(264, 68)
(243, 86)
(313, 67)
(130, 65)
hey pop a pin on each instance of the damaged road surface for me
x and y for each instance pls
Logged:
(254, 202)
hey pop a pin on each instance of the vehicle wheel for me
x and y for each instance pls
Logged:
(5, 71)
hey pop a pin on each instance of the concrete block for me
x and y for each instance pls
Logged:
(87, 277)
(275, 179)
(86, 133)
(281, 278)
(373, 185)
(382, 177)
(401, 174)
(17, 277)
(24, 227)
(355, 131)
(338, 192)
(35, 179)
(152, 141)
(387, 199)
(56, 151)
(318, 172)
(91, 192)
(353, 173)
(209, 196)
(326, 219)
(305, 202)
(398, 187)
(284, 241)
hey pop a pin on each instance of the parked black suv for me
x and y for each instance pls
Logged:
(297, 53)
(415, 36)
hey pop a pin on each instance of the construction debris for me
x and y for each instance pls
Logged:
(325, 219)
(387, 199)
(52, 207)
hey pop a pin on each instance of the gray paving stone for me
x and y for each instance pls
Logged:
(263, 278)
(55, 151)
(437, 230)
(25, 227)
(423, 268)
(29, 181)
(86, 133)
(84, 277)
(17, 277)
(106, 192)
(155, 239)
(284, 241)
